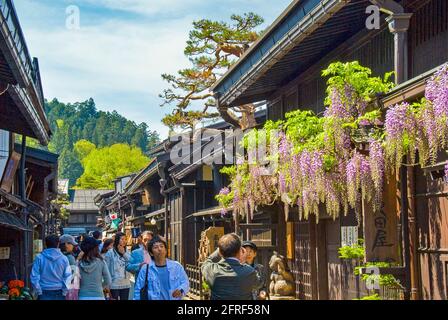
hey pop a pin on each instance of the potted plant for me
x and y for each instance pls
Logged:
(15, 290)
(4, 291)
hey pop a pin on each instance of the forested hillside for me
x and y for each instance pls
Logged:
(71, 123)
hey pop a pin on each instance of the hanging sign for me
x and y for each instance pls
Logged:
(349, 236)
(38, 246)
(5, 253)
(116, 223)
(113, 216)
(380, 228)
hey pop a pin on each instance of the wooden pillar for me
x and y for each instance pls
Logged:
(236, 218)
(281, 230)
(321, 256)
(413, 241)
(399, 25)
(313, 256)
(248, 221)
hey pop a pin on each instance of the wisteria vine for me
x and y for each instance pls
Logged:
(320, 164)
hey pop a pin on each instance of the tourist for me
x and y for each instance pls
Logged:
(95, 277)
(67, 244)
(98, 236)
(141, 256)
(51, 273)
(226, 273)
(117, 259)
(107, 245)
(251, 253)
(139, 243)
(165, 279)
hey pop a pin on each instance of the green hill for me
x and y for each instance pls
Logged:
(82, 121)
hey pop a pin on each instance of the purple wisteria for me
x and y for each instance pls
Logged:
(377, 168)
(331, 169)
(437, 92)
(435, 114)
(358, 178)
(401, 132)
(337, 108)
(446, 173)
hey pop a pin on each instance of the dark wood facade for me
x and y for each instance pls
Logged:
(293, 81)
(185, 205)
(28, 175)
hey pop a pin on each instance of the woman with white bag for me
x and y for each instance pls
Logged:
(67, 243)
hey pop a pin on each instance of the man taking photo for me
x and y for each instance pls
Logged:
(226, 272)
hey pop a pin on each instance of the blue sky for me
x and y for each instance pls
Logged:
(121, 48)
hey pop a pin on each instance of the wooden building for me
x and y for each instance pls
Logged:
(27, 181)
(83, 211)
(283, 67)
(148, 213)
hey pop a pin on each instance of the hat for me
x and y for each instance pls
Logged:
(249, 244)
(89, 243)
(66, 238)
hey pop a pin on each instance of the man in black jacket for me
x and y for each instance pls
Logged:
(251, 253)
(226, 273)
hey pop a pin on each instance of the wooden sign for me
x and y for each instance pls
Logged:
(10, 171)
(380, 228)
(349, 236)
(5, 253)
(38, 246)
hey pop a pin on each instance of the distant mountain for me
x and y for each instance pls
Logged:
(81, 120)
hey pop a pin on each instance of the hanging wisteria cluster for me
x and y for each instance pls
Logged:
(401, 135)
(446, 173)
(320, 164)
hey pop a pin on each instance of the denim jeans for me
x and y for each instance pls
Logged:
(51, 295)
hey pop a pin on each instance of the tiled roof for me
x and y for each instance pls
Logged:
(83, 200)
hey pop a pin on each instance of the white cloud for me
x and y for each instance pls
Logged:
(112, 59)
(147, 7)
(116, 60)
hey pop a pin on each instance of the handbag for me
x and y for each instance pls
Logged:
(73, 290)
(144, 290)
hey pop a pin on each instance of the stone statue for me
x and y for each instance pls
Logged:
(282, 281)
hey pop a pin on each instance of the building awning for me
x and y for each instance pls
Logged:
(155, 213)
(409, 90)
(160, 212)
(12, 221)
(209, 212)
